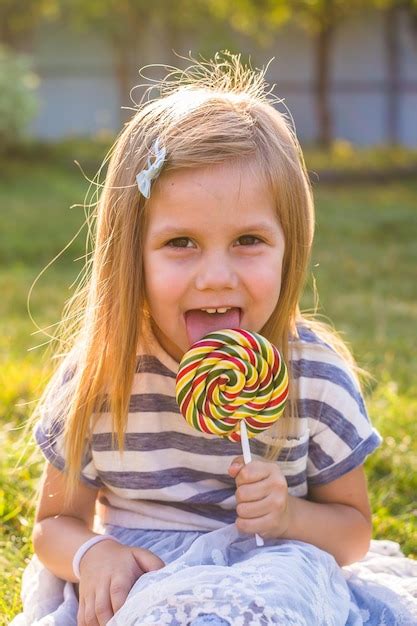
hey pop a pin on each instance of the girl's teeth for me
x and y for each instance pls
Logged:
(223, 310)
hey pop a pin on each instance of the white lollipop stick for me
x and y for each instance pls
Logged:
(247, 457)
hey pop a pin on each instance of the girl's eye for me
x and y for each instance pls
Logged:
(249, 240)
(179, 242)
(185, 242)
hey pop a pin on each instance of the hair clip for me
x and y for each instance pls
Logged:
(147, 175)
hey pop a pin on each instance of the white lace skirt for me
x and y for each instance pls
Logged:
(217, 578)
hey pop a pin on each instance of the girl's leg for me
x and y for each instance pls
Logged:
(46, 598)
(218, 581)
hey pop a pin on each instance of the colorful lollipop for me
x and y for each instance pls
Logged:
(232, 383)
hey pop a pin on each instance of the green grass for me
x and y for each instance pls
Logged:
(363, 263)
(344, 156)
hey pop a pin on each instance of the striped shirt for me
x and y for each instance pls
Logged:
(171, 476)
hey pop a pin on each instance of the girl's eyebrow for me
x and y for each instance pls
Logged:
(170, 231)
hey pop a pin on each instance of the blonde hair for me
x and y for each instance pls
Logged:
(210, 113)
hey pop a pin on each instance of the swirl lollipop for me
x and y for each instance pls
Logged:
(232, 383)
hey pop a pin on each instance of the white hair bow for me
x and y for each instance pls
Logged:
(147, 175)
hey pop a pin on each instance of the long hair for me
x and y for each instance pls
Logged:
(210, 113)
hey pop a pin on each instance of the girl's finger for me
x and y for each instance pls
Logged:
(147, 560)
(80, 614)
(253, 473)
(238, 460)
(253, 492)
(252, 526)
(118, 593)
(251, 510)
(103, 606)
(90, 618)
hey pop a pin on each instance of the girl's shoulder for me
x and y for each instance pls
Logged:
(314, 358)
(310, 342)
(54, 401)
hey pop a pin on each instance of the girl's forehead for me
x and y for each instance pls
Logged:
(236, 177)
(209, 198)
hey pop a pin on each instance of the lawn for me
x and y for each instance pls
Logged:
(364, 265)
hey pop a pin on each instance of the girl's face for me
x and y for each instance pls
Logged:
(213, 240)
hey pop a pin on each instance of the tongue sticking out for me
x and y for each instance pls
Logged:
(199, 323)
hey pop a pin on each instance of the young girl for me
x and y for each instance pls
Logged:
(205, 222)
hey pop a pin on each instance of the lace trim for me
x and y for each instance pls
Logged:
(186, 609)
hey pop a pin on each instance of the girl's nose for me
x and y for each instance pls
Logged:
(216, 272)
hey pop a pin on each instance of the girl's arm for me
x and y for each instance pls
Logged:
(335, 518)
(62, 527)
(108, 569)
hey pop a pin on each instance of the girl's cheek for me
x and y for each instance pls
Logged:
(163, 266)
(266, 275)
(170, 280)
(176, 276)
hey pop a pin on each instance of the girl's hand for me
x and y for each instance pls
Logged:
(261, 497)
(108, 570)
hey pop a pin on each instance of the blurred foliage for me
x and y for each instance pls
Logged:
(19, 18)
(18, 101)
(343, 155)
(214, 24)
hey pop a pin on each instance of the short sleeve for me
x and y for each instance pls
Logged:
(341, 435)
(49, 435)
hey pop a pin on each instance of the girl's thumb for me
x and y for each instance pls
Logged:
(236, 465)
(147, 560)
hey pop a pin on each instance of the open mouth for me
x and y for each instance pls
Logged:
(200, 322)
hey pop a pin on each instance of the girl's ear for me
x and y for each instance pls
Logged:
(145, 309)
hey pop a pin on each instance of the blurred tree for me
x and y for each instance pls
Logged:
(18, 102)
(393, 66)
(124, 23)
(394, 10)
(121, 23)
(19, 18)
(319, 18)
(411, 11)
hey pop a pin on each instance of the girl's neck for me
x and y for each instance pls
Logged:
(148, 344)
